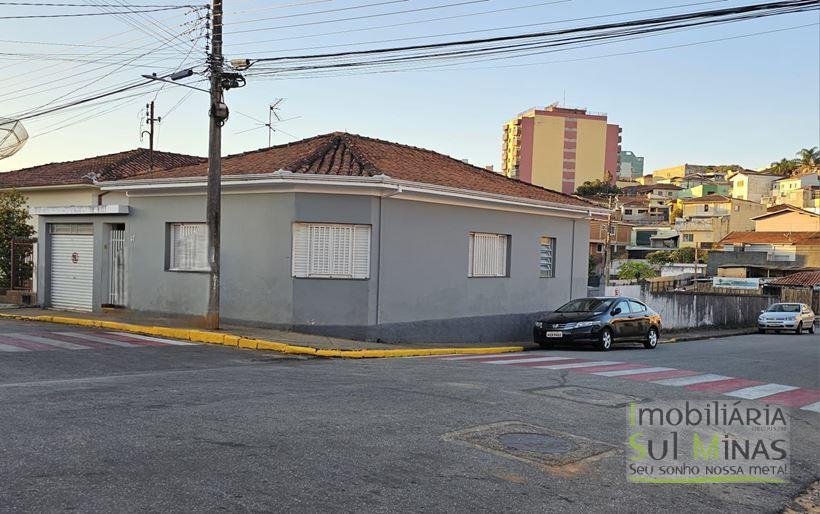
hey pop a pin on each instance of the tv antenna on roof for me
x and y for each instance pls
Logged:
(13, 136)
(273, 118)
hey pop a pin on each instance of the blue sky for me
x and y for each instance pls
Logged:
(748, 100)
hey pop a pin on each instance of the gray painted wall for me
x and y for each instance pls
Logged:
(425, 253)
(418, 288)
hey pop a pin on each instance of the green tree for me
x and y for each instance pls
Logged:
(597, 187)
(808, 157)
(636, 270)
(659, 258)
(13, 225)
(784, 167)
(684, 255)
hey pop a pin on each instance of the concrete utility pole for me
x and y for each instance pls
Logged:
(149, 116)
(218, 115)
(607, 241)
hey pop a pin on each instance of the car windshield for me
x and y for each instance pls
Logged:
(785, 307)
(585, 305)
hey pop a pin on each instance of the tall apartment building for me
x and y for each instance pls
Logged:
(630, 165)
(560, 148)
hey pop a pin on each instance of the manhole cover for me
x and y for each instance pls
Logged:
(530, 443)
(537, 443)
(587, 395)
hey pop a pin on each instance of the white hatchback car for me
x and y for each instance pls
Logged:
(786, 316)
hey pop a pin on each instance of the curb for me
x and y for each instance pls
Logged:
(683, 339)
(208, 337)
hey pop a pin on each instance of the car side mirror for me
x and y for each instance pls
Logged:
(762, 311)
(616, 311)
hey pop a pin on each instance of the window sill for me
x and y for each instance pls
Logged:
(177, 270)
(488, 276)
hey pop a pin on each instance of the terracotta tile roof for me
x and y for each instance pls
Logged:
(802, 278)
(103, 167)
(709, 199)
(340, 153)
(776, 210)
(797, 238)
(640, 201)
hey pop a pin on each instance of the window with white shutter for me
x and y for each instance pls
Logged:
(488, 255)
(323, 250)
(188, 247)
(546, 254)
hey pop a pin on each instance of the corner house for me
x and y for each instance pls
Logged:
(337, 234)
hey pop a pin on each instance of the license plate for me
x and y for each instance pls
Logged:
(555, 334)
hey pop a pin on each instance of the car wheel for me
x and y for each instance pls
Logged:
(799, 329)
(811, 328)
(651, 338)
(761, 331)
(605, 340)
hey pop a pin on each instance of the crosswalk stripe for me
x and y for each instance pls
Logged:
(696, 379)
(51, 342)
(11, 348)
(531, 359)
(755, 392)
(469, 357)
(578, 365)
(154, 339)
(624, 372)
(814, 407)
(96, 339)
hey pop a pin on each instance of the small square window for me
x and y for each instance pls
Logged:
(188, 247)
(488, 255)
(331, 250)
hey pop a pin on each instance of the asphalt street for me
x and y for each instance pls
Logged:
(163, 427)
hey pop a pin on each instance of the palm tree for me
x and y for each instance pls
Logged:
(809, 157)
(783, 167)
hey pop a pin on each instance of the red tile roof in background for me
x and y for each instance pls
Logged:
(104, 167)
(798, 238)
(340, 153)
(802, 278)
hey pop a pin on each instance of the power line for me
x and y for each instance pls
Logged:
(450, 67)
(363, 17)
(481, 13)
(326, 11)
(80, 15)
(40, 4)
(282, 6)
(655, 24)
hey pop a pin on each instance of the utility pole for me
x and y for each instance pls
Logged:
(149, 117)
(607, 241)
(218, 114)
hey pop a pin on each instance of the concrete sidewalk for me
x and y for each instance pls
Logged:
(190, 328)
(241, 335)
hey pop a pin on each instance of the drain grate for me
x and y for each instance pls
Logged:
(530, 443)
(587, 395)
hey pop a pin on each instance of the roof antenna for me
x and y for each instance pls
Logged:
(273, 118)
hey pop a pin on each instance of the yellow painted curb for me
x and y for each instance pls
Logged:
(204, 336)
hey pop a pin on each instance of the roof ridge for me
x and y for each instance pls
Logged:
(130, 156)
(474, 168)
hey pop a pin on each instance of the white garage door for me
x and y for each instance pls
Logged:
(72, 269)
